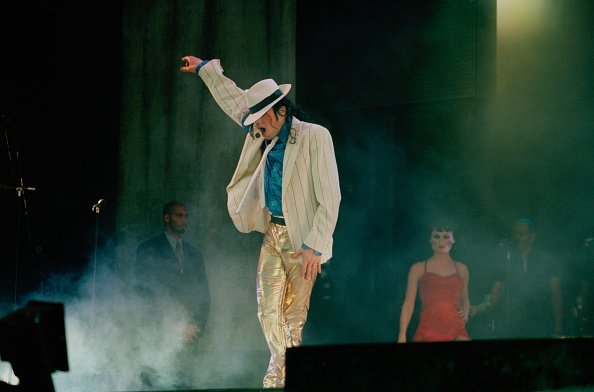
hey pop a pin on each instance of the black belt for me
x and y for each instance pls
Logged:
(279, 220)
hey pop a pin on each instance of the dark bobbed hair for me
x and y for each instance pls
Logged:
(440, 225)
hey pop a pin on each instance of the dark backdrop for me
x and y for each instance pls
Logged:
(434, 115)
(429, 115)
(60, 105)
(406, 89)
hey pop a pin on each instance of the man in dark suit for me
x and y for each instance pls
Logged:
(526, 292)
(170, 273)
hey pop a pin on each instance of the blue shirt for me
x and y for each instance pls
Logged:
(273, 170)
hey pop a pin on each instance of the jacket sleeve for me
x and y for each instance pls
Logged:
(327, 192)
(231, 99)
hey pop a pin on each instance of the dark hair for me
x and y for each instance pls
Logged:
(170, 205)
(528, 221)
(292, 109)
(440, 225)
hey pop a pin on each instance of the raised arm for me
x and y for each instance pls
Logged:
(190, 64)
(230, 98)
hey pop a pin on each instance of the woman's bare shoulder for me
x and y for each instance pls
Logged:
(461, 266)
(418, 266)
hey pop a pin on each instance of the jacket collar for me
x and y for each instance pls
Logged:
(291, 153)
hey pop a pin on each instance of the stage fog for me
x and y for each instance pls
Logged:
(464, 112)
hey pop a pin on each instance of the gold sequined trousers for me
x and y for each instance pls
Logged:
(283, 300)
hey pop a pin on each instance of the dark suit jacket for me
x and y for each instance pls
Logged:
(526, 307)
(157, 272)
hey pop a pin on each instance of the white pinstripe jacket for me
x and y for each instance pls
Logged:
(310, 187)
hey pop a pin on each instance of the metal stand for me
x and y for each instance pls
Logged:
(97, 210)
(20, 192)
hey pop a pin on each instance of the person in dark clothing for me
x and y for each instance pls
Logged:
(168, 270)
(526, 294)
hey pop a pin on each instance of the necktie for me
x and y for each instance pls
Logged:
(180, 255)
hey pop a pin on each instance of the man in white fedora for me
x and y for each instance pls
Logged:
(285, 186)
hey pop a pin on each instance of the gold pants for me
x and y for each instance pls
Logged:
(283, 300)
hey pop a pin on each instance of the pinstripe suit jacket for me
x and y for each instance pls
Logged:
(310, 187)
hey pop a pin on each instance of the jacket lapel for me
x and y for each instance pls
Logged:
(257, 178)
(291, 153)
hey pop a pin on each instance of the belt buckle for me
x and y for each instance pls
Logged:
(278, 220)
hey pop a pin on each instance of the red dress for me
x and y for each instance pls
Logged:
(441, 299)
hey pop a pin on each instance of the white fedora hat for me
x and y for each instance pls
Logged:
(262, 96)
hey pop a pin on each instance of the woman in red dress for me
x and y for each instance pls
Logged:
(442, 284)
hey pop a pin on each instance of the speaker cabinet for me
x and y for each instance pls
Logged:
(494, 365)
